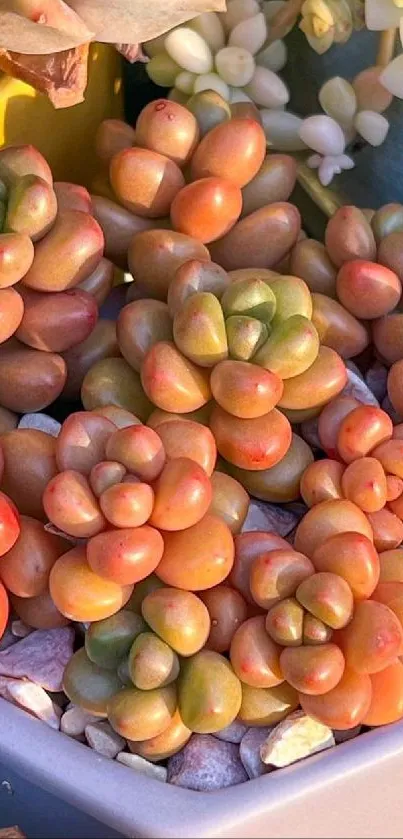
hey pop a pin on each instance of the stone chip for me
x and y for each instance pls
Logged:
(206, 764)
(139, 764)
(103, 739)
(74, 721)
(249, 751)
(40, 657)
(265, 516)
(31, 698)
(232, 733)
(296, 737)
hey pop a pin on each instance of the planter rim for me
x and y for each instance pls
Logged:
(139, 806)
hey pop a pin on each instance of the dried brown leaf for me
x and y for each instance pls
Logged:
(136, 21)
(132, 52)
(61, 76)
(18, 34)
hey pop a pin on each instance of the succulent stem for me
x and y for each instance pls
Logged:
(386, 47)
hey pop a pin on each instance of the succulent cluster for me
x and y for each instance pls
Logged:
(234, 334)
(366, 467)
(52, 279)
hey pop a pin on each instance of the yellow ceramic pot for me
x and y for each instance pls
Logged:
(65, 137)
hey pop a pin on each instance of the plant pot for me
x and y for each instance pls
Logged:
(65, 137)
(352, 790)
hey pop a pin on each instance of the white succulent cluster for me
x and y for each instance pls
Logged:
(381, 15)
(235, 55)
(228, 53)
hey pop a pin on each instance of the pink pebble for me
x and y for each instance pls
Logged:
(40, 657)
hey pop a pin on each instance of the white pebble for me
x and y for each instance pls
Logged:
(185, 82)
(358, 389)
(189, 50)
(267, 89)
(238, 95)
(143, 766)
(249, 34)
(209, 26)
(322, 134)
(239, 10)
(42, 422)
(212, 81)
(282, 130)
(338, 100)
(74, 721)
(33, 698)
(272, 7)
(235, 65)
(274, 57)
(372, 126)
(295, 737)
(103, 739)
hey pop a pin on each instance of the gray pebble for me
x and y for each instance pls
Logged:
(249, 751)
(358, 389)
(42, 422)
(103, 739)
(75, 720)
(7, 640)
(265, 516)
(206, 764)
(350, 364)
(376, 378)
(143, 766)
(232, 733)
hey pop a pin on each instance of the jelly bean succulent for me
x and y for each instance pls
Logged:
(193, 624)
(52, 278)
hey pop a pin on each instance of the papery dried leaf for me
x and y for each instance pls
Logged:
(136, 21)
(132, 53)
(62, 76)
(18, 34)
(54, 13)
